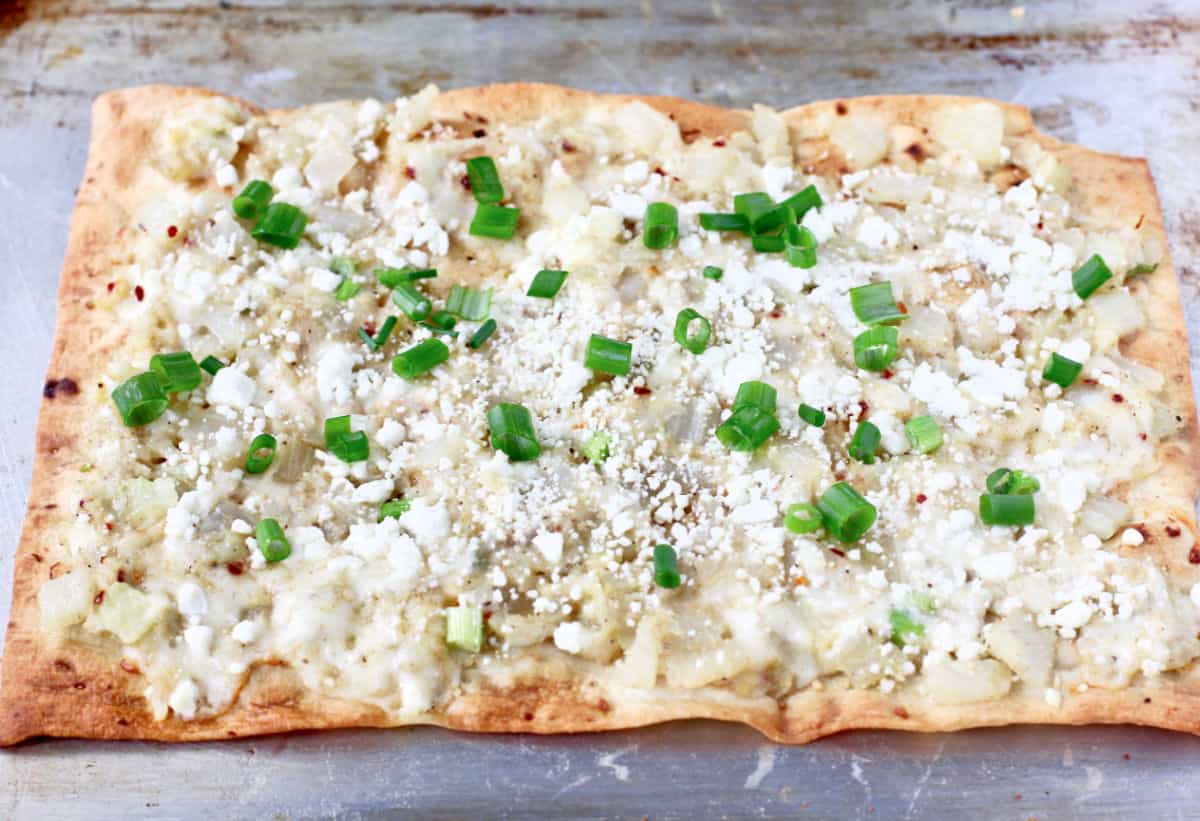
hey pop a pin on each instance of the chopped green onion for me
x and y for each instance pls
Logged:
(512, 432)
(1022, 482)
(865, 443)
(434, 329)
(666, 567)
(698, 341)
(813, 416)
(394, 509)
(747, 428)
(271, 542)
(482, 334)
(802, 518)
(847, 515)
(1090, 276)
(768, 245)
(140, 399)
(342, 266)
(876, 348)
(470, 303)
(922, 601)
(772, 221)
(904, 627)
(391, 277)
(1142, 268)
(211, 364)
(464, 628)
(415, 305)
(177, 371)
(546, 284)
(661, 225)
(1061, 371)
(799, 246)
(725, 222)
(874, 304)
(344, 444)
(282, 225)
(495, 221)
(347, 289)
(608, 355)
(753, 205)
(254, 199)
(713, 272)
(335, 427)
(484, 180)
(261, 453)
(923, 434)
(803, 201)
(441, 320)
(367, 338)
(380, 338)
(1006, 509)
(420, 359)
(1014, 482)
(596, 447)
(759, 394)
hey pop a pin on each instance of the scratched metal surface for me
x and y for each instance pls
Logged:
(1119, 77)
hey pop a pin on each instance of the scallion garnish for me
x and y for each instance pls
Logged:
(140, 399)
(495, 221)
(1061, 371)
(666, 567)
(661, 225)
(694, 342)
(799, 246)
(753, 205)
(441, 321)
(511, 427)
(802, 201)
(865, 443)
(813, 416)
(347, 445)
(874, 304)
(904, 627)
(176, 371)
(482, 334)
(1142, 268)
(608, 355)
(725, 222)
(1014, 509)
(747, 428)
(1087, 278)
(415, 305)
(420, 359)
(273, 545)
(394, 509)
(802, 517)
(772, 221)
(261, 453)
(756, 393)
(391, 277)
(469, 303)
(254, 199)
(211, 364)
(484, 180)
(876, 348)
(768, 245)
(847, 515)
(464, 628)
(596, 447)
(923, 434)
(347, 289)
(1017, 482)
(380, 339)
(546, 284)
(282, 225)
(342, 266)
(713, 272)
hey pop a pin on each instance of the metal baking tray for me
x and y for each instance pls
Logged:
(1117, 77)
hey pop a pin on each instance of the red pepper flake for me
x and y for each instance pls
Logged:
(410, 172)
(642, 390)
(1173, 531)
(1141, 219)
(776, 314)
(139, 292)
(1142, 436)
(1041, 225)
(121, 575)
(719, 143)
(887, 374)
(130, 666)
(110, 286)
(99, 598)
(1194, 555)
(839, 551)
(235, 568)
(172, 231)
(658, 169)
(903, 308)
(568, 147)
(465, 182)
(922, 498)
(108, 525)
(479, 132)
(900, 712)
(863, 407)
(1118, 398)
(528, 716)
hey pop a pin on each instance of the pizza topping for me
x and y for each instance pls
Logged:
(281, 225)
(546, 284)
(847, 515)
(1061, 371)
(484, 180)
(140, 399)
(252, 203)
(495, 221)
(261, 453)
(666, 567)
(1087, 278)
(1006, 509)
(661, 225)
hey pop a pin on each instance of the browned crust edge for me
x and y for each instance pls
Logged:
(77, 692)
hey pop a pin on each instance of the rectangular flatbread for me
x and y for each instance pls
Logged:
(525, 409)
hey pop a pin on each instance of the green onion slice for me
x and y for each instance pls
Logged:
(485, 180)
(768, 245)
(282, 225)
(470, 303)
(464, 628)
(608, 355)
(1004, 480)
(813, 416)
(347, 445)
(546, 284)
(140, 399)
(1012, 509)
(1087, 278)
(394, 509)
(865, 443)
(756, 393)
(923, 434)
(847, 515)
(1142, 268)
(511, 427)
(495, 221)
(695, 342)
(802, 518)
(905, 627)
(261, 453)
(772, 221)
(347, 289)
(391, 277)
(342, 266)
(713, 272)
(482, 334)
(420, 359)
(211, 364)
(380, 339)
(876, 348)
(415, 305)
(803, 201)
(666, 567)
(1061, 371)
(177, 371)
(596, 447)
(874, 304)
(441, 320)
(799, 246)
(753, 205)
(725, 222)
(254, 199)
(661, 225)
(271, 542)
(747, 428)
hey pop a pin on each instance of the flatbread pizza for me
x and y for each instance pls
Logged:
(526, 409)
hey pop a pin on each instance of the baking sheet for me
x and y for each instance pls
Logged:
(1116, 77)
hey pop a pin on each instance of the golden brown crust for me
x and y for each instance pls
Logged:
(78, 691)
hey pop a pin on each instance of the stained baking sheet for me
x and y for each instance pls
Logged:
(1118, 77)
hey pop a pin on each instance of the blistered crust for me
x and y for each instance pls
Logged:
(80, 690)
